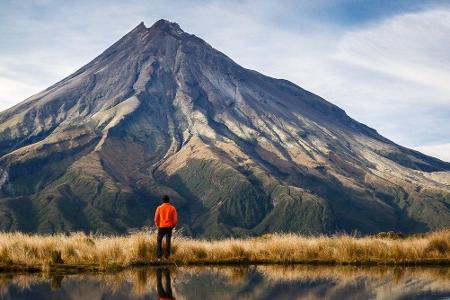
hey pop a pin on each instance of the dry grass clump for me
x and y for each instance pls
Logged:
(104, 251)
(288, 248)
(77, 248)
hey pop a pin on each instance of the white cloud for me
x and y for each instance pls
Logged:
(412, 47)
(19, 89)
(440, 151)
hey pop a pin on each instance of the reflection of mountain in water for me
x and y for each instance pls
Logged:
(261, 282)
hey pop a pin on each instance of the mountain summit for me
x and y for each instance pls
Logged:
(162, 112)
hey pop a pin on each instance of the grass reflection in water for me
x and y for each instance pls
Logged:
(249, 282)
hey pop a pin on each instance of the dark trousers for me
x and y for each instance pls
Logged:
(163, 232)
(164, 291)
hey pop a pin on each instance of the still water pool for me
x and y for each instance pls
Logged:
(250, 282)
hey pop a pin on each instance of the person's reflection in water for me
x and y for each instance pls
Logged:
(164, 291)
(55, 284)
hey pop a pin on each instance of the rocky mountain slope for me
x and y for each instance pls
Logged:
(161, 111)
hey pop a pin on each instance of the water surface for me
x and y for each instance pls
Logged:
(252, 282)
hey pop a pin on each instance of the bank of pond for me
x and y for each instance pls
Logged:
(83, 252)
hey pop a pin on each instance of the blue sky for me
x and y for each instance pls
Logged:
(385, 62)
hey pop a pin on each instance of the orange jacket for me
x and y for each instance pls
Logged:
(166, 216)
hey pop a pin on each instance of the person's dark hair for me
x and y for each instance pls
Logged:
(165, 199)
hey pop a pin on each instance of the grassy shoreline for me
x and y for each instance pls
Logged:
(80, 252)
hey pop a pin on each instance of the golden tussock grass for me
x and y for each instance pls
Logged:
(103, 252)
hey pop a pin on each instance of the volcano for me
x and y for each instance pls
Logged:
(241, 153)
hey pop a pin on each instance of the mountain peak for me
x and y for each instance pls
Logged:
(161, 26)
(139, 27)
(166, 26)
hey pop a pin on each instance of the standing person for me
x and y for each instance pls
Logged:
(166, 219)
